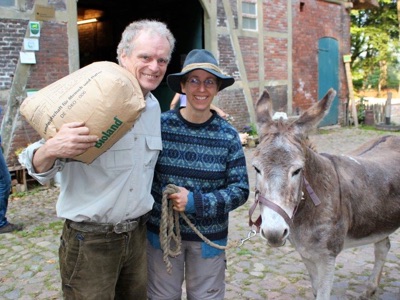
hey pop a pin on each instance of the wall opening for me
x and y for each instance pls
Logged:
(98, 40)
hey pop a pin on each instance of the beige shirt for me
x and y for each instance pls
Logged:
(116, 186)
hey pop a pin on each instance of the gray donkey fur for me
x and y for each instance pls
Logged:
(359, 194)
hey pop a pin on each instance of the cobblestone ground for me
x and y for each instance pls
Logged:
(29, 259)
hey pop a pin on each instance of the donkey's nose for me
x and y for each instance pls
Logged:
(275, 238)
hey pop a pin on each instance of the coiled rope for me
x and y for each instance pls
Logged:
(169, 220)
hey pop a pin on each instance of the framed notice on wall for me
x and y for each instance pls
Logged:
(31, 44)
(27, 57)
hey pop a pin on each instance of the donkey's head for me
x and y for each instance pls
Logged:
(279, 160)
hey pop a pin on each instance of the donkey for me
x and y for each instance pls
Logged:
(324, 203)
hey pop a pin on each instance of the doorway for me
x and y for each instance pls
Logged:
(98, 40)
(328, 76)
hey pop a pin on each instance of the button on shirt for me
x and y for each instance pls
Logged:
(115, 186)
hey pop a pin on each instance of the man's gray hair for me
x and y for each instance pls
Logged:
(135, 28)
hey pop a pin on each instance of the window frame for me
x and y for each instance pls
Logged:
(13, 4)
(247, 17)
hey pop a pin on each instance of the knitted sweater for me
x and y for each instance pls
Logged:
(208, 160)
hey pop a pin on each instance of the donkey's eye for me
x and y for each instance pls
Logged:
(296, 172)
(257, 170)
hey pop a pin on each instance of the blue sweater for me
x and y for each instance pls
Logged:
(208, 160)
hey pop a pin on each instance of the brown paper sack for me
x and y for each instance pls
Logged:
(104, 95)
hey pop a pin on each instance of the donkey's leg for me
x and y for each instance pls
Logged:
(313, 272)
(326, 272)
(321, 272)
(381, 250)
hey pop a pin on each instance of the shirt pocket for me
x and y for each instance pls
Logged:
(121, 154)
(154, 146)
(147, 165)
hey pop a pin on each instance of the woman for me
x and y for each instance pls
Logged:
(203, 156)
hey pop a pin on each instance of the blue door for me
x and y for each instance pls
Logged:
(328, 76)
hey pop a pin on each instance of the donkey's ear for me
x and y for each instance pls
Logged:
(264, 111)
(312, 116)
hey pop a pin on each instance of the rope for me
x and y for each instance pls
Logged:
(169, 219)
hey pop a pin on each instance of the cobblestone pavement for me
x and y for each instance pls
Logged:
(29, 259)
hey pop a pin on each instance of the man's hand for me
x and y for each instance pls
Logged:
(71, 140)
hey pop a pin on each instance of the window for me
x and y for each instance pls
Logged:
(249, 15)
(7, 3)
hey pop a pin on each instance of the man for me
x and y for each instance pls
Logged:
(5, 186)
(106, 204)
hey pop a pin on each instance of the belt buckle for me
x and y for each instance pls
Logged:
(125, 226)
(119, 228)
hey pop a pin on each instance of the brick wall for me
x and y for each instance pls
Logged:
(12, 33)
(23, 136)
(227, 57)
(232, 101)
(275, 58)
(51, 65)
(311, 21)
(275, 15)
(52, 58)
(249, 47)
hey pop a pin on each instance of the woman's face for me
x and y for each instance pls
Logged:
(200, 89)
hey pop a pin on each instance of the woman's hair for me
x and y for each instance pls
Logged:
(135, 28)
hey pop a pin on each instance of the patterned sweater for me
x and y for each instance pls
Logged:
(208, 160)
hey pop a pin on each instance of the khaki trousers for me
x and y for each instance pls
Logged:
(205, 277)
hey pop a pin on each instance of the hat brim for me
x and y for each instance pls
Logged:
(174, 80)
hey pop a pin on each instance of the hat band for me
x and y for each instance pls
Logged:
(201, 66)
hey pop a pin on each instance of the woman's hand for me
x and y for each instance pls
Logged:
(180, 199)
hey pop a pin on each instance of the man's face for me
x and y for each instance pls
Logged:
(148, 61)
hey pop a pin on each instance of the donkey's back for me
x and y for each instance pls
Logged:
(370, 189)
(373, 148)
(369, 183)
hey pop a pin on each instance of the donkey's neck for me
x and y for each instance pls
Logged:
(320, 171)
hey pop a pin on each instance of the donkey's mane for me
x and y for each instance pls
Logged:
(311, 145)
(285, 128)
(274, 128)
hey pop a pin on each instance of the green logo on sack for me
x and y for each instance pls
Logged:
(109, 132)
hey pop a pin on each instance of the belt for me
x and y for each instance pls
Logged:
(120, 227)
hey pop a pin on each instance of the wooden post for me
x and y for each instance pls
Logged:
(352, 103)
(15, 97)
(388, 108)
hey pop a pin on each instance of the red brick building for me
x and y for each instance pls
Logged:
(292, 48)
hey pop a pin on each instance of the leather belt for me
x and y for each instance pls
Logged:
(120, 227)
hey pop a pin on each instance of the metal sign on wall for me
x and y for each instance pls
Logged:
(44, 13)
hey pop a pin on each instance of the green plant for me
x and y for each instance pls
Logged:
(250, 129)
(361, 111)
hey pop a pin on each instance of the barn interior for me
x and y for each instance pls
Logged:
(105, 20)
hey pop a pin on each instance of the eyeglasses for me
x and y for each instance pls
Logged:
(196, 83)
